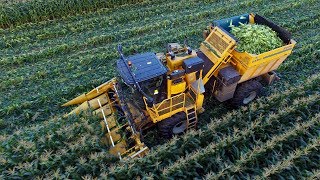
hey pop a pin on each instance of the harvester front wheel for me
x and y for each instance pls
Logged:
(246, 92)
(174, 125)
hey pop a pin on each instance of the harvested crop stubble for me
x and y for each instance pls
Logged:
(255, 38)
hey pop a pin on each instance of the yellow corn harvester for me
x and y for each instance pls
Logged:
(167, 89)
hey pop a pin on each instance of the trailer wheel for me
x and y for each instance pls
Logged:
(246, 92)
(174, 125)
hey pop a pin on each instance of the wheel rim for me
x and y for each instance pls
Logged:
(179, 127)
(250, 97)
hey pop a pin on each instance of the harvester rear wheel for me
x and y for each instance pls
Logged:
(175, 125)
(246, 92)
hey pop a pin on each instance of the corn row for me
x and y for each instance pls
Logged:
(314, 175)
(98, 38)
(39, 10)
(75, 144)
(76, 45)
(117, 18)
(188, 160)
(224, 142)
(65, 48)
(260, 150)
(292, 157)
(170, 17)
(103, 38)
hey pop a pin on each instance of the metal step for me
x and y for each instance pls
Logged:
(191, 117)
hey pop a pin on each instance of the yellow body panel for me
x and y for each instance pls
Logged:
(251, 65)
(178, 88)
(176, 63)
(218, 47)
(200, 100)
(92, 94)
(190, 78)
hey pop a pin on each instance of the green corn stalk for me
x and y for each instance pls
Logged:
(315, 174)
(260, 150)
(38, 10)
(292, 157)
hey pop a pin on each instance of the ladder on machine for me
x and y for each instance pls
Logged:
(192, 118)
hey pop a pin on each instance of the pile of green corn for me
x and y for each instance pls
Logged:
(255, 38)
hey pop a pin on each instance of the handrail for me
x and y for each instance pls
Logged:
(170, 107)
(174, 97)
(157, 108)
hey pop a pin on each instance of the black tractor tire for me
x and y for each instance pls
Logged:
(166, 127)
(246, 92)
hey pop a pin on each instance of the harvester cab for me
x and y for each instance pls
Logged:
(143, 73)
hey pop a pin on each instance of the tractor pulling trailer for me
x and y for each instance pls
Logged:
(167, 89)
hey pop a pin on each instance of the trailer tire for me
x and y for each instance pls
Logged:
(173, 125)
(246, 92)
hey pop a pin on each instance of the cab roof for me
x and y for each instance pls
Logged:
(144, 66)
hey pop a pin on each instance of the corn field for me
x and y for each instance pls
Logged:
(52, 51)
(19, 12)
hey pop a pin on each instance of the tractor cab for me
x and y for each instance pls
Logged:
(144, 67)
(146, 71)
